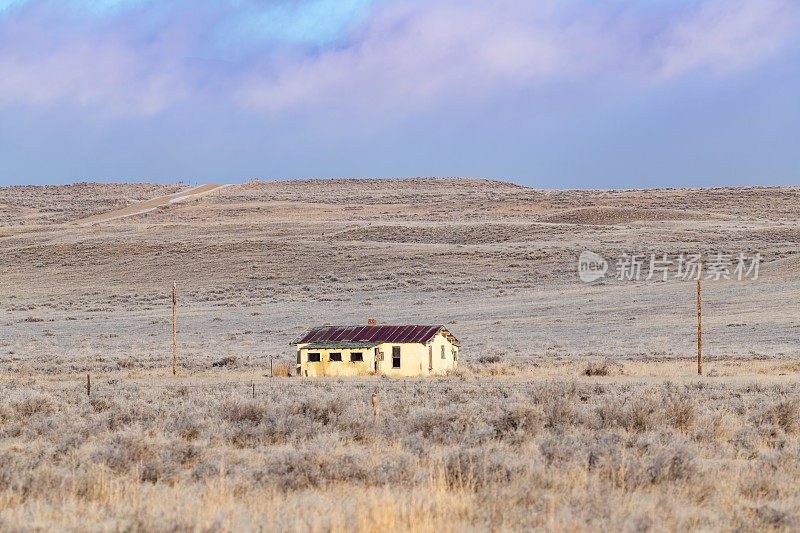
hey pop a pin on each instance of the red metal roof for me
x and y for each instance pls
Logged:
(377, 334)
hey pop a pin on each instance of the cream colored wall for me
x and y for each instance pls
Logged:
(440, 366)
(413, 360)
(344, 368)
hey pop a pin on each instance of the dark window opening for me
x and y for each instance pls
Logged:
(356, 357)
(298, 357)
(443, 352)
(395, 357)
(336, 356)
(313, 357)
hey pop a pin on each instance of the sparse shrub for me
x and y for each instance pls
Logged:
(125, 451)
(639, 412)
(594, 368)
(680, 412)
(757, 486)
(603, 368)
(489, 359)
(243, 411)
(500, 369)
(449, 425)
(28, 404)
(281, 369)
(559, 414)
(784, 414)
(666, 465)
(557, 449)
(100, 404)
(461, 372)
(127, 363)
(225, 361)
(186, 427)
(775, 518)
(518, 421)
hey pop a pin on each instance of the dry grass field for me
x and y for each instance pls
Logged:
(576, 406)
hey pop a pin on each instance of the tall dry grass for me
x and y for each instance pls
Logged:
(445, 455)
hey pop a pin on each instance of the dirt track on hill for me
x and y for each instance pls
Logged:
(149, 205)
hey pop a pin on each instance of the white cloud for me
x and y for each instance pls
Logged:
(408, 55)
(424, 51)
(729, 35)
(414, 52)
(111, 69)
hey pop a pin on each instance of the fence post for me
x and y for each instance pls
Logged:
(88, 385)
(376, 409)
(254, 390)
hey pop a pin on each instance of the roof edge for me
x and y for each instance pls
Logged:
(439, 328)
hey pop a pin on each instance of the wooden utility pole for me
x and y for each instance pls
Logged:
(174, 329)
(699, 320)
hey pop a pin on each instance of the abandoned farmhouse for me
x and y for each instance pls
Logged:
(382, 349)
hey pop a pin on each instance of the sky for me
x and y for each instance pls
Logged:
(546, 93)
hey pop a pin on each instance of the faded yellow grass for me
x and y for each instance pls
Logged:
(732, 370)
(579, 454)
(225, 504)
(102, 500)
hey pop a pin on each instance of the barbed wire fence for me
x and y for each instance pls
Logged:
(99, 386)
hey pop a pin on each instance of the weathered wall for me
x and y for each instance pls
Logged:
(441, 365)
(414, 360)
(326, 367)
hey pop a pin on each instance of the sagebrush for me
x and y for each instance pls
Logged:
(445, 455)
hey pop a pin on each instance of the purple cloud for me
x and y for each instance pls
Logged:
(417, 52)
(45, 61)
(727, 36)
(404, 55)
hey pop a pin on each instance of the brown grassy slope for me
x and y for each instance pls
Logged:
(51, 204)
(259, 262)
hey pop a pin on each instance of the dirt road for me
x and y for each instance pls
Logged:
(150, 205)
